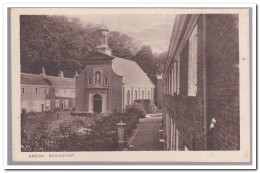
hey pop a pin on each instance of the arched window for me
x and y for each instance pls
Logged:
(142, 94)
(128, 98)
(135, 95)
(148, 95)
(97, 77)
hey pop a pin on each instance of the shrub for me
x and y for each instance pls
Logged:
(57, 109)
(84, 114)
(148, 106)
(39, 137)
(77, 136)
(135, 109)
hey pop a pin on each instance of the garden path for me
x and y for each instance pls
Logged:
(146, 136)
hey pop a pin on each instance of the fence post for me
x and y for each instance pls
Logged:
(121, 134)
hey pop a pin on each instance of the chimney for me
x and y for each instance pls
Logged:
(61, 74)
(43, 72)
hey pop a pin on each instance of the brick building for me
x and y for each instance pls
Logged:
(110, 83)
(41, 93)
(201, 91)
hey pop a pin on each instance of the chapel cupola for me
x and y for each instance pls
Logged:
(103, 47)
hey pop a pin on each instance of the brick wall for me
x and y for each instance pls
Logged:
(222, 51)
(159, 93)
(186, 111)
(80, 93)
(116, 92)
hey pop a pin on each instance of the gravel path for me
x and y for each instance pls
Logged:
(147, 135)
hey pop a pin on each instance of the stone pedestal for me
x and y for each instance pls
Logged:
(121, 134)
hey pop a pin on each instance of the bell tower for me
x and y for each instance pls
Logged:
(103, 47)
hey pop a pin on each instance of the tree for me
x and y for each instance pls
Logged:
(160, 61)
(121, 44)
(63, 44)
(145, 60)
(56, 42)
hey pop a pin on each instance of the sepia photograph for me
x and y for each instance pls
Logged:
(161, 84)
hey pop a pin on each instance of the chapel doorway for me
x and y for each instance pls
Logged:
(97, 103)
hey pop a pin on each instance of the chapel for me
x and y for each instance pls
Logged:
(110, 83)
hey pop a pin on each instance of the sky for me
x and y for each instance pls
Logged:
(150, 29)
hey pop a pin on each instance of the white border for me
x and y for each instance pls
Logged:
(4, 92)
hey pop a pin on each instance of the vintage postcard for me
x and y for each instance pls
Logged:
(129, 85)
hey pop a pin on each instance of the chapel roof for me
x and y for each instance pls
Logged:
(131, 72)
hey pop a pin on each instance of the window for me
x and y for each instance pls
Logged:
(192, 64)
(174, 78)
(47, 104)
(169, 84)
(56, 90)
(178, 77)
(177, 140)
(135, 95)
(148, 95)
(103, 39)
(89, 81)
(47, 91)
(36, 90)
(105, 81)
(172, 83)
(57, 104)
(65, 90)
(66, 104)
(97, 78)
(142, 94)
(22, 90)
(128, 98)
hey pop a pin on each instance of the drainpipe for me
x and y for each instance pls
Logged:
(205, 96)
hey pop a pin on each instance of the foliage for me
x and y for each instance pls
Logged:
(76, 136)
(144, 58)
(63, 44)
(77, 113)
(122, 45)
(147, 105)
(160, 60)
(135, 109)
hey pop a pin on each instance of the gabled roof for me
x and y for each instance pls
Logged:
(131, 72)
(34, 79)
(65, 82)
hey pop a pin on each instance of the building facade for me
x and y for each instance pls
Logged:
(201, 84)
(41, 93)
(109, 83)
